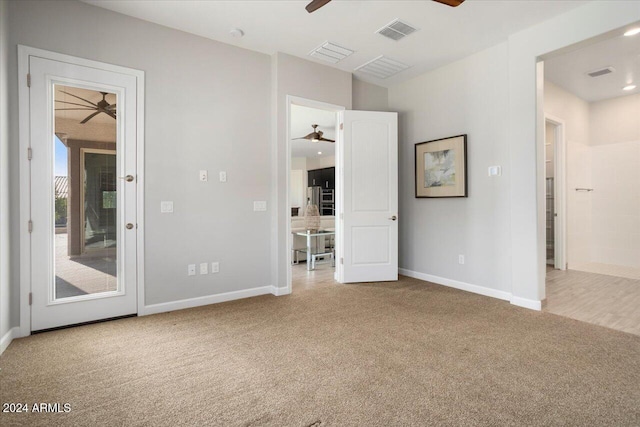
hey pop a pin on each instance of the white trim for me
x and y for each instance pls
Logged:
(295, 100)
(527, 303)
(206, 300)
(280, 291)
(476, 289)
(24, 52)
(8, 337)
(560, 190)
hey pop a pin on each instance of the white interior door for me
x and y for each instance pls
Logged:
(83, 206)
(368, 163)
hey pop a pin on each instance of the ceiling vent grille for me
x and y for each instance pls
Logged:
(382, 67)
(601, 72)
(330, 52)
(397, 30)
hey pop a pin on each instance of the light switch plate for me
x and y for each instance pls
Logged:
(215, 267)
(204, 176)
(223, 176)
(166, 206)
(260, 206)
(191, 270)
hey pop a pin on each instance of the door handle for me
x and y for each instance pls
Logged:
(393, 218)
(129, 226)
(127, 178)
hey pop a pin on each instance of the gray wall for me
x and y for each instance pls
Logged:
(207, 107)
(466, 97)
(369, 97)
(5, 323)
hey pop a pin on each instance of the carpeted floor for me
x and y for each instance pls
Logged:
(397, 354)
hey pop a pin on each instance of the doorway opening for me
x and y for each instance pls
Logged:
(313, 193)
(591, 122)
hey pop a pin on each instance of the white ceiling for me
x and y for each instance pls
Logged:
(569, 70)
(446, 34)
(301, 120)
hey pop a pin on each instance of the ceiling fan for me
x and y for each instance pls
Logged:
(101, 107)
(317, 4)
(316, 135)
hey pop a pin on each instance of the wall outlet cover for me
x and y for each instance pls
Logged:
(215, 267)
(204, 176)
(166, 206)
(191, 270)
(204, 268)
(223, 176)
(260, 206)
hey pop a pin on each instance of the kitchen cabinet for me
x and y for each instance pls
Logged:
(325, 178)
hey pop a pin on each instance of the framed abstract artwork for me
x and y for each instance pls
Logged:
(441, 167)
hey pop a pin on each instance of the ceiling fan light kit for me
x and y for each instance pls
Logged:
(316, 136)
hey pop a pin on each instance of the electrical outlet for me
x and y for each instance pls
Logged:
(260, 206)
(215, 267)
(223, 176)
(204, 268)
(166, 206)
(191, 270)
(204, 176)
(460, 259)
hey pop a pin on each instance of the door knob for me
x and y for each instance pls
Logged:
(393, 218)
(127, 178)
(129, 226)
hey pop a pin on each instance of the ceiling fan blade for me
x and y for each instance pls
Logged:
(91, 116)
(326, 139)
(452, 3)
(110, 113)
(82, 99)
(315, 5)
(77, 109)
(75, 103)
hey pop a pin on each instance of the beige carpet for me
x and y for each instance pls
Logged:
(399, 354)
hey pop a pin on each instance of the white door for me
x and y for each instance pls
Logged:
(83, 205)
(368, 163)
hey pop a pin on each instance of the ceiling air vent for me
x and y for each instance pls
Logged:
(330, 52)
(397, 30)
(601, 72)
(382, 67)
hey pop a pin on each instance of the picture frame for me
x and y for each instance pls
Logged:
(441, 167)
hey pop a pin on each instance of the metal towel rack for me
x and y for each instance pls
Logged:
(584, 189)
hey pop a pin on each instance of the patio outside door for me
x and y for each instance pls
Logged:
(83, 193)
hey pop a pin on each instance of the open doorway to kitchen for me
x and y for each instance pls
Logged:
(312, 194)
(591, 106)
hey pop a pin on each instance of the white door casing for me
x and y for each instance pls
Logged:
(368, 168)
(46, 311)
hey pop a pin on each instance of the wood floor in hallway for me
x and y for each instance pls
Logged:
(613, 302)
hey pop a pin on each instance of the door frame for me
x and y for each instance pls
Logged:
(24, 52)
(304, 102)
(560, 190)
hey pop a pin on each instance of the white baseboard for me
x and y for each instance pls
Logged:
(527, 303)
(280, 291)
(8, 337)
(209, 299)
(494, 293)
